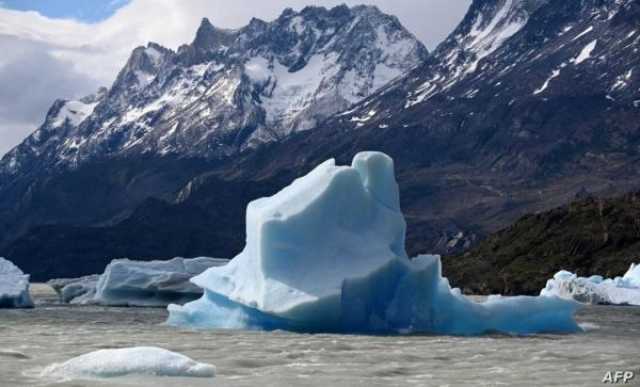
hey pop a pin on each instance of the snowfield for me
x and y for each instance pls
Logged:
(14, 286)
(326, 254)
(623, 290)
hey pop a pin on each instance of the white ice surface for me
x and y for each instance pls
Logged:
(74, 112)
(14, 286)
(586, 52)
(147, 361)
(595, 289)
(327, 254)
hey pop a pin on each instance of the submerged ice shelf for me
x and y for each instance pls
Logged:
(623, 290)
(327, 254)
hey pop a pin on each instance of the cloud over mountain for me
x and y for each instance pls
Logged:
(46, 58)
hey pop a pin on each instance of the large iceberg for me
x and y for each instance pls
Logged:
(153, 283)
(14, 286)
(623, 290)
(326, 254)
(149, 361)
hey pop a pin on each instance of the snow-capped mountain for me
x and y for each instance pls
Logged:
(526, 104)
(228, 89)
(518, 52)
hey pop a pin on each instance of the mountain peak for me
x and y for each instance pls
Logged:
(208, 37)
(367, 9)
(233, 89)
(288, 12)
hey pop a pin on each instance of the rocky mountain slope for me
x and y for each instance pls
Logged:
(589, 236)
(227, 90)
(481, 134)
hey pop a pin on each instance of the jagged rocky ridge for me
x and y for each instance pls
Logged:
(469, 162)
(227, 90)
(514, 54)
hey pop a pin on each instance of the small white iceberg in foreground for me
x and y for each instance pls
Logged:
(327, 254)
(595, 290)
(149, 361)
(154, 283)
(14, 286)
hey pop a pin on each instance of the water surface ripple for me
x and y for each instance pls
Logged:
(32, 339)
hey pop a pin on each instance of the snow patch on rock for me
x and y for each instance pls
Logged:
(586, 52)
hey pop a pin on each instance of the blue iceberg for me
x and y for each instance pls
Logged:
(327, 254)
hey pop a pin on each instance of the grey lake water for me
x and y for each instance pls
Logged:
(32, 339)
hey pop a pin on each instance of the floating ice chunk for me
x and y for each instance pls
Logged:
(154, 283)
(150, 361)
(595, 289)
(632, 276)
(14, 286)
(75, 290)
(326, 254)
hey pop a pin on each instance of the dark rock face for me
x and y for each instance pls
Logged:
(589, 236)
(516, 112)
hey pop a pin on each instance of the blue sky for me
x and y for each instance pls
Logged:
(86, 10)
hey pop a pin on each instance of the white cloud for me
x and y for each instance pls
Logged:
(79, 56)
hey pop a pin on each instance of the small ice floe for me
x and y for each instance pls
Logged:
(14, 286)
(155, 283)
(75, 290)
(588, 326)
(595, 290)
(145, 361)
(327, 254)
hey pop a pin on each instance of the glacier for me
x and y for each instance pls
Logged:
(327, 254)
(109, 363)
(596, 290)
(150, 283)
(14, 286)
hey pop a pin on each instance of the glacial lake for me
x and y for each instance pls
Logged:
(32, 339)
